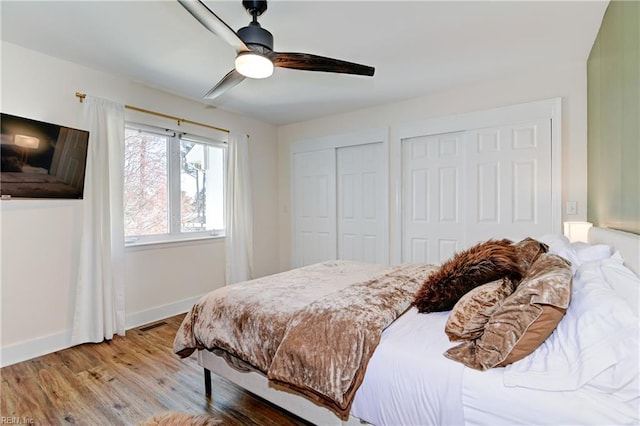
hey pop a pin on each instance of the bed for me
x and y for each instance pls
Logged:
(408, 371)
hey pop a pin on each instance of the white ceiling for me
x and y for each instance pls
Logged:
(417, 47)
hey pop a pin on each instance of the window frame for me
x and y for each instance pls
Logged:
(173, 142)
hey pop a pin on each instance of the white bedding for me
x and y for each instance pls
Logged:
(586, 372)
(513, 405)
(410, 382)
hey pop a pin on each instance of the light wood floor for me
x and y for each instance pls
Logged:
(122, 382)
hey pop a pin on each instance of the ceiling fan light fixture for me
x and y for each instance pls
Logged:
(254, 65)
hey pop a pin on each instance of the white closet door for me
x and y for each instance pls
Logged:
(314, 188)
(433, 197)
(464, 187)
(362, 203)
(509, 180)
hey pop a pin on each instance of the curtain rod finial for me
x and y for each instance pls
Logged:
(80, 96)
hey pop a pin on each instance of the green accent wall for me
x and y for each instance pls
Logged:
(613, 96)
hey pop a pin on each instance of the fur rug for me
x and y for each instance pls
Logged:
(180, 419)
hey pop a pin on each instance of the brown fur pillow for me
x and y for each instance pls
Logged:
(480, 264)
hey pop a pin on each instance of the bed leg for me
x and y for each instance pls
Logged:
(207, 382)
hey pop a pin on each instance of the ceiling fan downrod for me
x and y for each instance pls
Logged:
(253, 33)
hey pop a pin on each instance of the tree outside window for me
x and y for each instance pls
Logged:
(174, 186)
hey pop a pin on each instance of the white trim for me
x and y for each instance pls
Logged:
(18, 352)
(157, 313)
(23, 351)
(187, 241)
(379, 134)
(556, 163)
(483, 118)
(395, 197)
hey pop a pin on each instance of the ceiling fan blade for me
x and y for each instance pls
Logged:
(213, 23)
(308, 62)
(228, 81)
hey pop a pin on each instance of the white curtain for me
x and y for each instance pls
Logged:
(99, 308)
(239, 217)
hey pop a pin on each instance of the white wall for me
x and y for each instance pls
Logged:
(568, 81)
(40, 238)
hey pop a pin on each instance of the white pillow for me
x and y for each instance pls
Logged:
(560, 245)
(622, 279)
(598, 332)
(576, 253)
(589, 253)
(557, 243)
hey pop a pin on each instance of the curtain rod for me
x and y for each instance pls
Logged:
(81, 97)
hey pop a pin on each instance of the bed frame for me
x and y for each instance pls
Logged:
(625, 242)
(257, 383)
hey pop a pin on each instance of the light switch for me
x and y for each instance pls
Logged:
(572, 207)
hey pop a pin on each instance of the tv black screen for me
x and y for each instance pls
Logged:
(41, 160)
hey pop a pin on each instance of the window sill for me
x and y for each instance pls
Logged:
(173, 242)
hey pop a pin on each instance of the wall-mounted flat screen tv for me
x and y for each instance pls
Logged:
(41, 160)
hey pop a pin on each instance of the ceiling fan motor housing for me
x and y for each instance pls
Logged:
(255, 34)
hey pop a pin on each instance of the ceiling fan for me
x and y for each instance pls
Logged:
(254, 46)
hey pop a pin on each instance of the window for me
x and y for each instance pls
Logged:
(173, 186)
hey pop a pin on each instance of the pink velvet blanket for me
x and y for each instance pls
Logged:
(312, 329)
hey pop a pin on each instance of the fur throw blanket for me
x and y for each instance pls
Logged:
(480, 264)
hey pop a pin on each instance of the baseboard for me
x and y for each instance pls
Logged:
(18, 352)
(137, 319)
(23, 351)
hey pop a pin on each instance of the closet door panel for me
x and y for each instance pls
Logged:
(510, 181)
(314, 206)
(433, 197)
(361, 203)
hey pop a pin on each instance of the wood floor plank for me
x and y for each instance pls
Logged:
(31, 395)
(64, 390)
(124, 381)
(118, 399)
